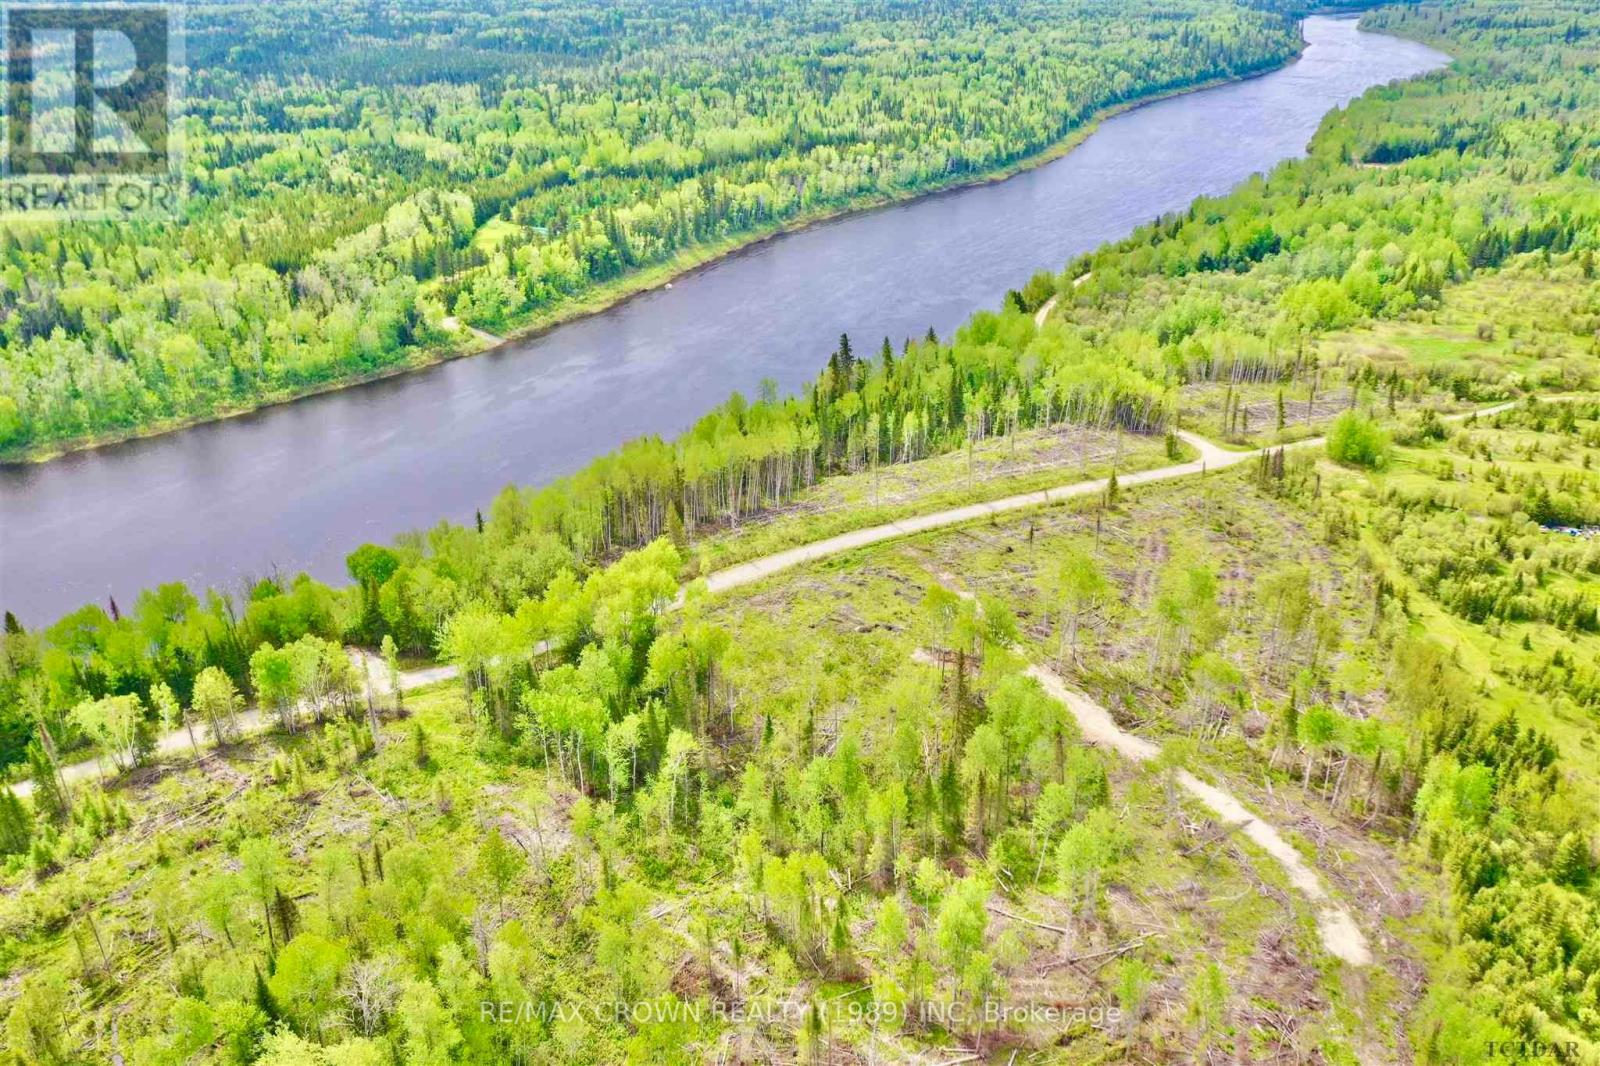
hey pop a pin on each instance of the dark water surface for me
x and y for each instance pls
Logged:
(298, 486)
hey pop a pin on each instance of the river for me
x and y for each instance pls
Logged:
(296, 487)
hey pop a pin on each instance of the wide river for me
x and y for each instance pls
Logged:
(298, 486)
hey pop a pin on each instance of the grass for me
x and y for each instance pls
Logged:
(495, 232)
(1509, 330)
(996, 467)
(1493, 653)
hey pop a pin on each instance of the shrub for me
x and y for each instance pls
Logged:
(1357, 440)
(1424, 428)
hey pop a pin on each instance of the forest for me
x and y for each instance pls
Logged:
(363, 180)
(537, 762)
(1236, 302)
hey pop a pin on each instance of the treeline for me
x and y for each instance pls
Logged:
(153, 656)
(350, 189)
(997, 376)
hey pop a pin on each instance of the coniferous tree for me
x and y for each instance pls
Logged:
(16, 824)
(50, 798)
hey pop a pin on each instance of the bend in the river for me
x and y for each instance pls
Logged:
(298, 486)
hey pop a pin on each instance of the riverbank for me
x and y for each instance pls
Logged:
(1204, 456)
(611, 295)
(295, 487)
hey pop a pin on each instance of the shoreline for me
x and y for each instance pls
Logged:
(608, 297)
(1208, 457)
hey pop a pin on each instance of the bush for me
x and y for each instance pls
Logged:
(1421, 429)
(1357, 440)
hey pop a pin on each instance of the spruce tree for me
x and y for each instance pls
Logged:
(1571, 863)
(285, 913)
(16, 824)
(41, 858)
(49, 799)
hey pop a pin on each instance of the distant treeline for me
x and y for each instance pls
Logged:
(360, 172)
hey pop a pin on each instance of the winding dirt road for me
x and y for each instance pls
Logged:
(1339, 932)
(1212, 457)
(1340, 935)
(1050, 305)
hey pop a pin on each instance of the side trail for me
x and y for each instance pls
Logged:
(1339, 932)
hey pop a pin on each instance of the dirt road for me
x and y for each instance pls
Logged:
(1338, 930)
(1212, 457)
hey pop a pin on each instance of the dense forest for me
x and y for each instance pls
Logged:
(362, 178)
(854, 780)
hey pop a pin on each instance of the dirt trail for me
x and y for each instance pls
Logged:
(1050, 305)
(251, 721)
(1339, 932)
(1212, 457)
(1340, 935)
(452, 323)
